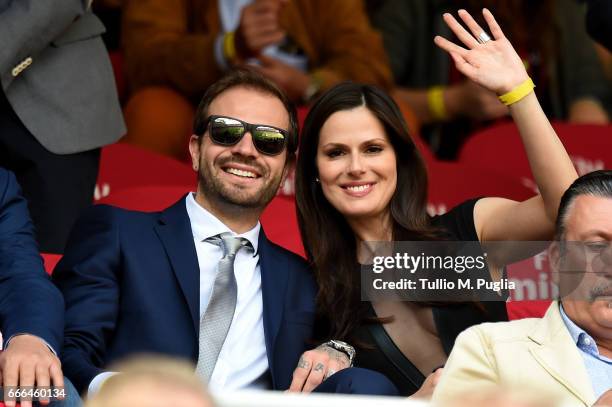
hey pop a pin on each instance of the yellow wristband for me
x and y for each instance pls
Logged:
(517, 93)
(435, 101)
(229, 47)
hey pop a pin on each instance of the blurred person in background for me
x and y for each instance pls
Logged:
(549, 36)
(174, 49)
(599, 26)
(598, 21)
(58, 106)
(568, 352)
(151, 381)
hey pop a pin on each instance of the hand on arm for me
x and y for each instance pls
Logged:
(293, 81)
(259, 27)
(496, 66)
(465, 99)
(28, 362)
(315, 366)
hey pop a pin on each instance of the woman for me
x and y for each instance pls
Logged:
(360, 178)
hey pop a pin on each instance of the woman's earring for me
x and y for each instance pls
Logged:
(317, 180)
(195, 167)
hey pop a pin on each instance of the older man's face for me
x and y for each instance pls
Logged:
(589, 221)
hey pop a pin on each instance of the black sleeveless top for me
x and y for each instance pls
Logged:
(450, 320)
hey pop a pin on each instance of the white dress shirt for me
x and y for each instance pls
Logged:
(243, 360)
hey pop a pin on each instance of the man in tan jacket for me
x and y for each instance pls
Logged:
(568, 352)
(182, 46)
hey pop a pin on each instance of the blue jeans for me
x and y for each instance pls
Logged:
(356, 380)
(72, 399)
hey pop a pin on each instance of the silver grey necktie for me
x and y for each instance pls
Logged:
(216, 321)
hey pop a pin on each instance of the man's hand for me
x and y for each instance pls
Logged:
(259, 27)
(315, 366)
(28, 362)
(605, 400)
(428, 386)
(293, 81)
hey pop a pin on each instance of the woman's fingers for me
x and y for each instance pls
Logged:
(459, 31)
(471, 23)
(463, 66)
(496, 30)
(448, 46)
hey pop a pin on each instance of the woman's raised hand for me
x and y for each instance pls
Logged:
(491, 62)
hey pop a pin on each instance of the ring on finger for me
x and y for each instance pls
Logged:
(483, 37)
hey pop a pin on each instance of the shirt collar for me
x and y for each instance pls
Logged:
(204, 224)
(581, 338)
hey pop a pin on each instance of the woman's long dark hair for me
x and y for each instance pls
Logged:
(330, 243)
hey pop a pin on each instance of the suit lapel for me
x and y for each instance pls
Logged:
(274, 277)
(556, 352)
(174, 231)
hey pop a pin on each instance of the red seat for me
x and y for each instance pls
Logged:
(125, 166)
(500, 148)
(526, 309)
(148, 198)
(50, 261)
(452, 183)
(279, 219)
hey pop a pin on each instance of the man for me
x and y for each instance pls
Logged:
(568, 352)
(164, 282)
(58, 105)
(175, 49)
(31, 308)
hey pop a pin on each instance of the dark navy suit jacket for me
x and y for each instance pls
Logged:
(29, 302)
(131, 284)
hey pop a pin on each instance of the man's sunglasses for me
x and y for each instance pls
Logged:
(228, 131)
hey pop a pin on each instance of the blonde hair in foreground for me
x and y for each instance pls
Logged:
(151, 381)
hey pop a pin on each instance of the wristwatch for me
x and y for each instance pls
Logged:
(343, 347)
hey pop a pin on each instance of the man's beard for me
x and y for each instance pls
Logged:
(214, 188)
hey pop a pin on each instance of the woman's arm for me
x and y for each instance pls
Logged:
(495, 65)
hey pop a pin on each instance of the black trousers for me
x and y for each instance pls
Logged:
(57, 187)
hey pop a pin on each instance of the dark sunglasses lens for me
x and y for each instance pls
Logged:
(269, 140)
(226, 131)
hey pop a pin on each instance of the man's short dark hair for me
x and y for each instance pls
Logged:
(596, 183)
(247, 78)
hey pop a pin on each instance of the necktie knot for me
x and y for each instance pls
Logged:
(229, 243)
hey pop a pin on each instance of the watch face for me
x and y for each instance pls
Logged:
(344, 347)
